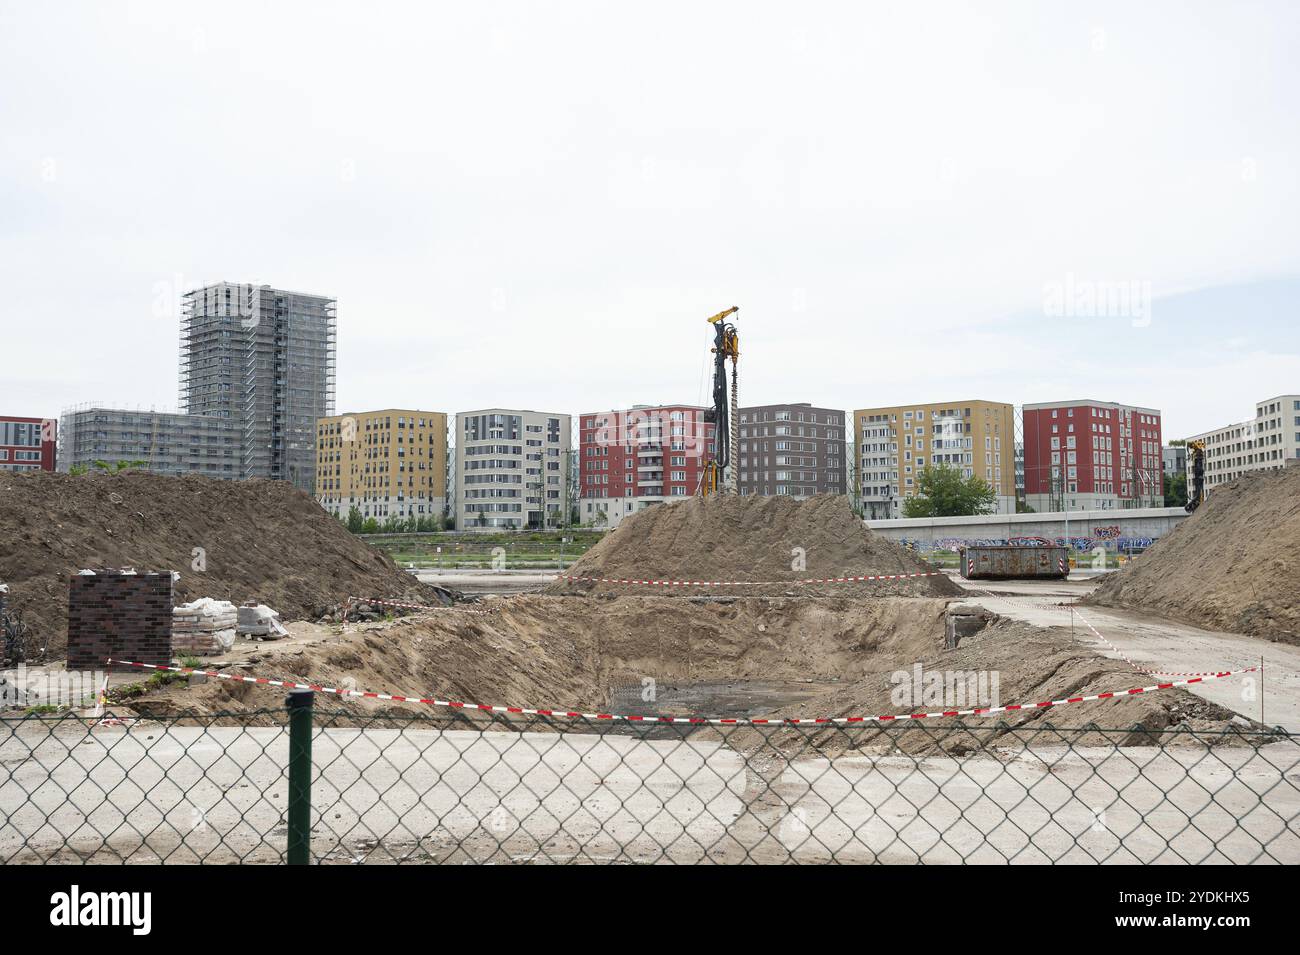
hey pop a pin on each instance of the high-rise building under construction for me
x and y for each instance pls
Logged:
(264, 359)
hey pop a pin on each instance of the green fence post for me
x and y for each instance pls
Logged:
(299, 703)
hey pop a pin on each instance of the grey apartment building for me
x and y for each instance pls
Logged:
(510, 468)
(256, 373)
(1269, 440)
(792, 449)
(163, 442)
(263, 359)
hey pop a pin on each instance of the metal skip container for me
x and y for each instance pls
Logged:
(1010, 562)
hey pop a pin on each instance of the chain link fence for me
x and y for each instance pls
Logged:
(304, 784)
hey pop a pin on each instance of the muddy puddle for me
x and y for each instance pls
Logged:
(735, 699)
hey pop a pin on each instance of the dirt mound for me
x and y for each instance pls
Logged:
(1032, 665)
(545, 651)
(551, 651)
(260, 540)
(753, 538)
(1233, 565)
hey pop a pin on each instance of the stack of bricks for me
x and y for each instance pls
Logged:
(204, 626)
(119, 616)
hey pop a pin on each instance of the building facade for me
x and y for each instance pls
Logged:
(510, 469)
(1173, 460)
(1019, 456)
(895, 444)
(264, 360)
(386, 464)
(1092, 456)
(28, 444)
(793, 450)
(159, 441)
(1268, 440)
(633, 459)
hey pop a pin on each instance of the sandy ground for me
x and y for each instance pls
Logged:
(440, 792)
(1232, 566)
(1163, 645)
(183, 793)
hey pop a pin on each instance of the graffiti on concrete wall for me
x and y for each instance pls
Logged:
(1111, 537)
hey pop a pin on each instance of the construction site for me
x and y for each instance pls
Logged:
(721, 679)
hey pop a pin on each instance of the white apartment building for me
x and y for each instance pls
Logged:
(510, 468)
(1267, 441)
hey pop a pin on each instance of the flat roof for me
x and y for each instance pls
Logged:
(1079, 402)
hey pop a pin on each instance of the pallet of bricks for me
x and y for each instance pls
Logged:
(203, 626)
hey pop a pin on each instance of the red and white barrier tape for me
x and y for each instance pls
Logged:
(713, 720)
(1066, 608)
(347, 606)
(746, 583)
(1123, 656)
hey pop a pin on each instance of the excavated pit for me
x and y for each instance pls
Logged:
(756, 656)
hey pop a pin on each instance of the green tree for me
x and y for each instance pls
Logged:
(113, 467)
(355, 520)
(942, 492)
(1176, 490)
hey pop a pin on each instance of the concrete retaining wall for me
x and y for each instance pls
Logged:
(1118, 530)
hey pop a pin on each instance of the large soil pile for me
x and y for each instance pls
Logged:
(1233, 565)
(262, 540)
(754, 538)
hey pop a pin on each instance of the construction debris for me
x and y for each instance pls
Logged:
(259, 620)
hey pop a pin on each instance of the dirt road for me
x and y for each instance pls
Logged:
(1160, 645)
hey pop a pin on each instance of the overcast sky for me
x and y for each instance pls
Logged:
(537, 205)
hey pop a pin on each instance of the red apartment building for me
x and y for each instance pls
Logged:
(1092, 456)
(629, 460)
(27, 444)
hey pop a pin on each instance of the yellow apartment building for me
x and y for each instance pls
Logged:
(893, 446)
(390, 463)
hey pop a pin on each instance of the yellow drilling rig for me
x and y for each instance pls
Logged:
(723, 415)
(1195, 475)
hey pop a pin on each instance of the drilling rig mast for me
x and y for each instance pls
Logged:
(724, 415)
